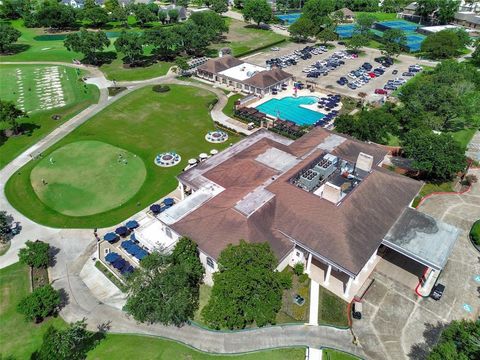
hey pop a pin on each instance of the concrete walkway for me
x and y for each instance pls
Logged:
(314, 295)
(74, 249)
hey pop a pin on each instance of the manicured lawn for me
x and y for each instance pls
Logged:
(76, 96)
(137, 347)
(205, 293)
(379, 15)
(329, 354)
(228, 109)
(18, 337)
(475, 233)
(429, 188)
(243, 37)
(332, 310)
(144, 123)
(464, 136)
(56, 182)
(116, 71)
(290, 311)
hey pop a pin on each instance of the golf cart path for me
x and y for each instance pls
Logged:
(75, 246)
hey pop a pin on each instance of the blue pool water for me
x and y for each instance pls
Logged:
(289, 19)
(289, 108)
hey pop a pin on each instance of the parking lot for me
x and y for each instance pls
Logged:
(330, 80)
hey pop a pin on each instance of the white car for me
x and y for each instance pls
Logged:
(275, 48)
(351, 76)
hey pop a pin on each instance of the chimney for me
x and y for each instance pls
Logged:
(364, 162)
(332, 193)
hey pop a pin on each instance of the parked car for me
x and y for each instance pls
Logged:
(437, 291)
(275, 48)
(357, 310)
(395, 72)
(381, 91)
(408, 73)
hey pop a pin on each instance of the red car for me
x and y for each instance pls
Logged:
(381, 91)
(372, 75)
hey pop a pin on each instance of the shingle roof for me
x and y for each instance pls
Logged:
(345, 234)
(267, 78)
(220, 64)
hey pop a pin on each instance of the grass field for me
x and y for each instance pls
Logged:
(136, 347)
(20, 338)
(332, 309)
(329, 354)
(228, 109)
(116, 71)
(379, 15)
(144, 123)
(429, 188)
(110, 176)
(76, 95)
(205, 293)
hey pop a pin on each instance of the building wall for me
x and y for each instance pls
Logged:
(209, 270)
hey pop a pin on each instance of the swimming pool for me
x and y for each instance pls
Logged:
(289, 108)
(289, 19)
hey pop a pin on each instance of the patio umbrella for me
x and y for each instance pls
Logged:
(192, 161)
(203, 156)
(155, 208)
(122, 230)
(168, 201)
(111, 257)
(110, 237)
(214, 152)
(119, 263)
(132, 237)
(141, 254)
(132, 224)
(127, 244)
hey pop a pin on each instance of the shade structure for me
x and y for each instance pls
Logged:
(192, 161)
(119, 263)
(127, 269)
(132, 237)
(168, 201)
(203, 156)
(111, 257)
(132, 224)
(155, 208)
(110, 237)
(214, 152)
(141, 254)
(122, 230)
(127, 244)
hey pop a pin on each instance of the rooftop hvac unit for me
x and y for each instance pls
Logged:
(324, 167)
(309, 179)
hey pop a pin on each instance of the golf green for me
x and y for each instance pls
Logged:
(87, 177)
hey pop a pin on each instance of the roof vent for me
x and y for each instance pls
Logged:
(364, 162)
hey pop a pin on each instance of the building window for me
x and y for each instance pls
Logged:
(210, 262)
(298, 253)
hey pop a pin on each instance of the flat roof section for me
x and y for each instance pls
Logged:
(242, 72)
(422, 238)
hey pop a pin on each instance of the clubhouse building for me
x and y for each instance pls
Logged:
(230, 72)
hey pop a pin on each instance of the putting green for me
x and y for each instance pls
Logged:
(87, 177)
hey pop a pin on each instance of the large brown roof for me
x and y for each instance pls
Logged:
(220, 64)
(344, 235)
(267, 78)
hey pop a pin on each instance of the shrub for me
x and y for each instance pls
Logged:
(475, 233)
(302, 278)
(298, 268)
(35, 254)
(40, 303)
(161, 88)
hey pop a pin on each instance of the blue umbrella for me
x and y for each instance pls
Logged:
(155, 208)
(127, 244)
(119, 263)
(168, 201)
(132, 237)
(110, 237)
(132, 224)
(141, 254)
(111, 257)
(122, 230)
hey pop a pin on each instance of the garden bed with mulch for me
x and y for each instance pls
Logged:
(39, 277)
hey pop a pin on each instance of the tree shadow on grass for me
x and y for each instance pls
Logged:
(431, 335)
(16, 49)
(105, 57)
(28, 128)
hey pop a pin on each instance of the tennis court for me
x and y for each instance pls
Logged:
(397, 24)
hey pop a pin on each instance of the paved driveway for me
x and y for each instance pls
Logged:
(397, 324)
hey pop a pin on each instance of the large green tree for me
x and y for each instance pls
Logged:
(143, 14)
(302, 29)
(219, 6)
(165, 288)
(41, 303)
(131, 45)
(246, 289)
(394, 41)
(166, 42)
(6, 222)
(446, 10)
(9, 36)
(364, 22)
(444, 44)
(460, 340)
(476, 53)
(9, 115)
(89, 43)
(35, 254)
(357, 41)
(259, 11)
(425, 8)
(55, 15)
(96, 15)
(437, 156)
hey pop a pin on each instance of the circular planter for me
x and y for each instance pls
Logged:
(216, 137)
(167, 159)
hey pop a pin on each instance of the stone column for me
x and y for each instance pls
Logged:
(347, 289)
(327, 275)
(309, 263)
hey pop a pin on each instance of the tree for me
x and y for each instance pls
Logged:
(425, 8)
(438, 156)
(71, 343)
(459, 340)
(41, 303)
(219, 6)
(183, 3)
(6, 222)
(258, 11)
(130, 44)
(327, 35)
(246, 289)
(111, 5)
(476, 53)
(364, 23)
(302, 29)
(56, 16)
(11, 9)
(162, 16)
(212, 24)
(143, 14)
(182, 63)
(444, 44)
(357, 41)
(173, 15)
(97, 16)
(319, 13)
(165, 288)
(89, 43)
(166, 42)
(9, 114)
(393, 6)
(9, 36)
(446, 10)
(119, 14)
(36, 254)
(194, 39)
(394, 40)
